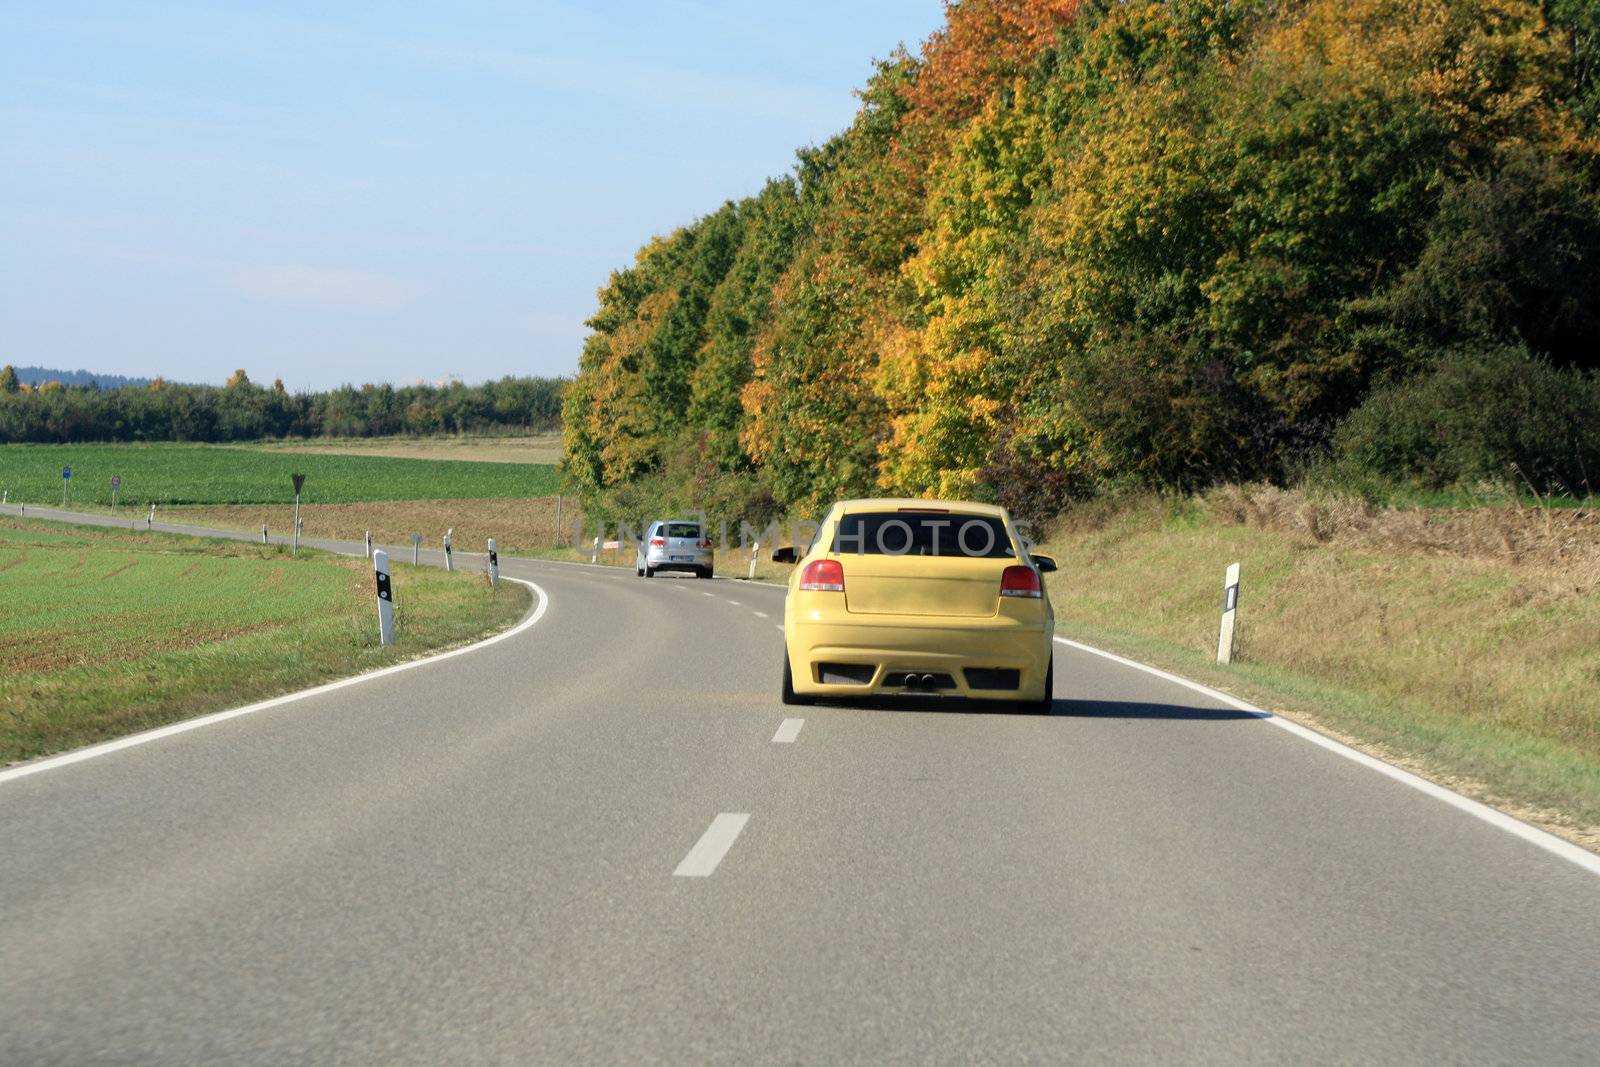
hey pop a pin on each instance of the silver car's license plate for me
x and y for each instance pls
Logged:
(683, 559)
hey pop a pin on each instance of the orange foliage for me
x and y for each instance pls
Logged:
(984, 44)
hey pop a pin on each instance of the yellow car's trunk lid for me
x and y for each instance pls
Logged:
(922, 585)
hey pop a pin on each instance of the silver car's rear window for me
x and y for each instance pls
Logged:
(922, 533)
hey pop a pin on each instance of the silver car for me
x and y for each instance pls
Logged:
(673, 545)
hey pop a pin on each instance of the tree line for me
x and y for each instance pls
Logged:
(244, 411)
(1075, 245)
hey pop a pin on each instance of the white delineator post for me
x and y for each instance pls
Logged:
(558, 518)
(299, 481)
(448, 564)
(755, 547)
(263, 533)
(594, 555)
(1230, 608)
(369, 544)
(150, 519)
(494, 565)
(380, 569)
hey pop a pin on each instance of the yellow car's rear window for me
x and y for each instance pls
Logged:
(912, 533)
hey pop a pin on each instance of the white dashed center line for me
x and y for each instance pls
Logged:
(788, 730)
(736, 604)
(702, 860)
(707, 594)
(759, 614)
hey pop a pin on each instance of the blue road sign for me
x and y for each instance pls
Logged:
(66, 472)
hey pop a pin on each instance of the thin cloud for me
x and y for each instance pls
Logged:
(297, 284)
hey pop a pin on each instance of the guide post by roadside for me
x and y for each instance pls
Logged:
(494, 565)
(1230, 608)
(380, 569)
(299, 480)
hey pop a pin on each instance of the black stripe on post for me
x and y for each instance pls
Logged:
(383, 587)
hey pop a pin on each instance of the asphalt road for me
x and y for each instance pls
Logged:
(531, 853)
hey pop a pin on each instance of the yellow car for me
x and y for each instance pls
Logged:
(917, 598)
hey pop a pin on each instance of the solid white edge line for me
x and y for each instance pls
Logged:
(714, 844)
(1552, 844)
(788, 730)
(134, 740)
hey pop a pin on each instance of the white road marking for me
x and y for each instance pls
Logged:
(134, 740)
(788, 730)
(759, 614)
(702, 860)
(779, 625)
(736, 604)
(1533, 835)
(707, 594)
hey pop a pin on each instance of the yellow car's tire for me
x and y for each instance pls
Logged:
(1046, 704)
(789, 695)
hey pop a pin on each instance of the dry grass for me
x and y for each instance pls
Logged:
(1467, 642)
(1551, 539)
(537, 448)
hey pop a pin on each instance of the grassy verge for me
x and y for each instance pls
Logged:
(106, 632)
(1465, 646)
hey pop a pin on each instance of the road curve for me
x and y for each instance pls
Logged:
(535, 853)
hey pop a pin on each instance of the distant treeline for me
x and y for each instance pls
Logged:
(244, 411)
(1075, 245)
(40, 375)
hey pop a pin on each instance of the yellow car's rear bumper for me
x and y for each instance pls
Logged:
(948, 647)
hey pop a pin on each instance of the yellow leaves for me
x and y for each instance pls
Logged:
(1491, 68)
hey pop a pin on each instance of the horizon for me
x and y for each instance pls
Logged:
(34, 374)
(382, 197)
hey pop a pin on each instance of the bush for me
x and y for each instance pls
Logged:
(1476, 414)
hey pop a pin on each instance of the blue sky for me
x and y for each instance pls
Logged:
(332, 192)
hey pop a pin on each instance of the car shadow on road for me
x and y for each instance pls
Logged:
(1066, 709)
(1120, 709)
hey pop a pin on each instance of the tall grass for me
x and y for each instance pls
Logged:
(1466, 642)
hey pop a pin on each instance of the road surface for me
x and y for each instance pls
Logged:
(604, 840)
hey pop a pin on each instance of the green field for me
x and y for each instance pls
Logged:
(105, 632)
(209, 474)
